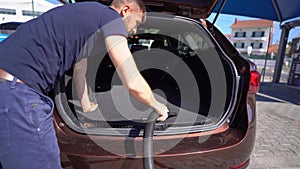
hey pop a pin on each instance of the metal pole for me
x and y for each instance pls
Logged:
(219, 11)
(266, 58)
(32, 5)
(281, 52)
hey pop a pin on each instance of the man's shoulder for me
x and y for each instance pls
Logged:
(85, 6)
(89, 3)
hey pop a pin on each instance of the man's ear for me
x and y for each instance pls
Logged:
(125, 10)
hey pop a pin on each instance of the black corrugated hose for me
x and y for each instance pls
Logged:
(148, 161)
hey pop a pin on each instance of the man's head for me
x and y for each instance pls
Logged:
(132, 11)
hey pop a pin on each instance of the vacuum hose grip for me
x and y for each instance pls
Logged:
(148, 161)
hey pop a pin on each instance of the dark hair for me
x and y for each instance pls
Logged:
(140, 3)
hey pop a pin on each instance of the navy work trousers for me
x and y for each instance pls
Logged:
(27, 135)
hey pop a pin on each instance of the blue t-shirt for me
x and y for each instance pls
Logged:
(43, 49)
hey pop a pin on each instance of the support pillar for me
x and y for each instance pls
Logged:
(281, 52)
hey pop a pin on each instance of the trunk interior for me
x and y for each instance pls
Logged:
(117, 109)
(179, 76)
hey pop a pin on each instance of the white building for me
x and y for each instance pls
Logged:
(254, 33)
(22, 10)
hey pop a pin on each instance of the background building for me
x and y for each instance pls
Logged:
(22, 10)
(254, 33)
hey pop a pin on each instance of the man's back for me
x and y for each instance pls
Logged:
(41, 50)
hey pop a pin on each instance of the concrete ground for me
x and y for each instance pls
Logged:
(278, 128)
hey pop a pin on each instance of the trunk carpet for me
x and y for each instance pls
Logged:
(118, 109)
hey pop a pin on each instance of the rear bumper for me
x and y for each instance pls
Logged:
(176, 162)
(224, 148)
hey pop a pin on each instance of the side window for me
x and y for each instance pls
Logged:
(257, 45)
(240, 45)
(240, 34)
(196, 41)
(258, 34)
(7, 11)
(184, 40)
(150, 41)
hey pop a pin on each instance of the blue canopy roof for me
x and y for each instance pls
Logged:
(276, 10)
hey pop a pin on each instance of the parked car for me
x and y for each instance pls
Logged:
(7, 28)
(193, 68)
(255, 78)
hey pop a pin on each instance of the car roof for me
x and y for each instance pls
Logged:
(10, 25)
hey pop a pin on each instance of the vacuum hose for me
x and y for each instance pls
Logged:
(148, 141)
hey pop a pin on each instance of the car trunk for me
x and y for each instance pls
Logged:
(198, 84)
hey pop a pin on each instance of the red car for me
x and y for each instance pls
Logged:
(207, 85)
(255, 78)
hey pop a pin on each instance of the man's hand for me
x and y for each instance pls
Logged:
(90, 107)
(161, 109)
(163, 115)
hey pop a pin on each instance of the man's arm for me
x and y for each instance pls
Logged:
(81, 86)
(121, 56)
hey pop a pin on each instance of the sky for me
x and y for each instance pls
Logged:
(224, 22)
(53, 1)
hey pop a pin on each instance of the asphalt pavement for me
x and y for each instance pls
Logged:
(277, 143)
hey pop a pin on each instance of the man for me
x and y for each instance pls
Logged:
(35, 57)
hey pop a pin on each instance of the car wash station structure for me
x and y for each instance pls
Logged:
(282, 11)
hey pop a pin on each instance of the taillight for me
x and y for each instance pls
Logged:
(254, 82)
(242, 165)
